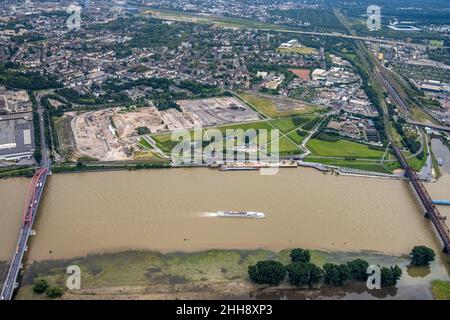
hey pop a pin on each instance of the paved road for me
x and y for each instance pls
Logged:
(325, 34)
(36, 188)
(355, 37)
(430, 125)
(33, 199)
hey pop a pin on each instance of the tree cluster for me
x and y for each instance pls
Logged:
(41, 286)
(302, 272)
(422, 256)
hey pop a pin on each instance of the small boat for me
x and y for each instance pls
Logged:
(240, 214)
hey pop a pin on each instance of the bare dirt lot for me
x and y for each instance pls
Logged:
(216, 111)
(111, 134)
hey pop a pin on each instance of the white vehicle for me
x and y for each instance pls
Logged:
(240, 214)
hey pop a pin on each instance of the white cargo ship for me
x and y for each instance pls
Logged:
(241, 214)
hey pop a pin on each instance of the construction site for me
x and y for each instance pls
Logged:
(112, 134)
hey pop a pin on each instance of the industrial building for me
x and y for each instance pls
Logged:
(16, 137)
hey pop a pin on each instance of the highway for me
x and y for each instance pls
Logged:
(160, 14)
(354, 37)
(430, 125)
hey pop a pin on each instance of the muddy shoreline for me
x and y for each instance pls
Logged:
(215, 274)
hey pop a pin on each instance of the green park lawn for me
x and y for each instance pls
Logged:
(342, 148)
(269, 108)
(286, 126)
(440, 289)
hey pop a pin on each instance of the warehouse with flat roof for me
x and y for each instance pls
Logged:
(16, 138)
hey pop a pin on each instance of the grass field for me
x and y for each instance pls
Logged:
(269, 108)
(63, 133)
(342, 148)
(149, 156)
(440, 289)
(416, 163)
(436, 166)
(209, 19)
(285, 125)
(122, 270)
(297, 136)
(297, 50)
(386, 167)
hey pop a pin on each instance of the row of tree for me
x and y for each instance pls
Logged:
(302, 272)
(36, 129)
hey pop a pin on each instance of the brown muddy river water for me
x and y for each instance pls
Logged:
(164, 210)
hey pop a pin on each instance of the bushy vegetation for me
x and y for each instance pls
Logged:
(422, 256)
(320, 19)
(410, 141)
(147, 32)
(11, 76)
(40, 286)
(390, 276)
(304, 273)
(301, 272)
(358, 269)
(143, 130)
(162, 91)
(54, 292)
(300, 255)
(267, 272)
(336, 275)
(36, 129)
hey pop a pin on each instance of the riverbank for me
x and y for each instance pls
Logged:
(212, 274)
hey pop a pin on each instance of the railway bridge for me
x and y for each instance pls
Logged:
(431, 210)
(33, 199)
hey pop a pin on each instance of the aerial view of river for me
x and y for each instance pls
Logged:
(167, 210)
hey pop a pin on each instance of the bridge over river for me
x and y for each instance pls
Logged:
(33, 199)
(431, 210)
